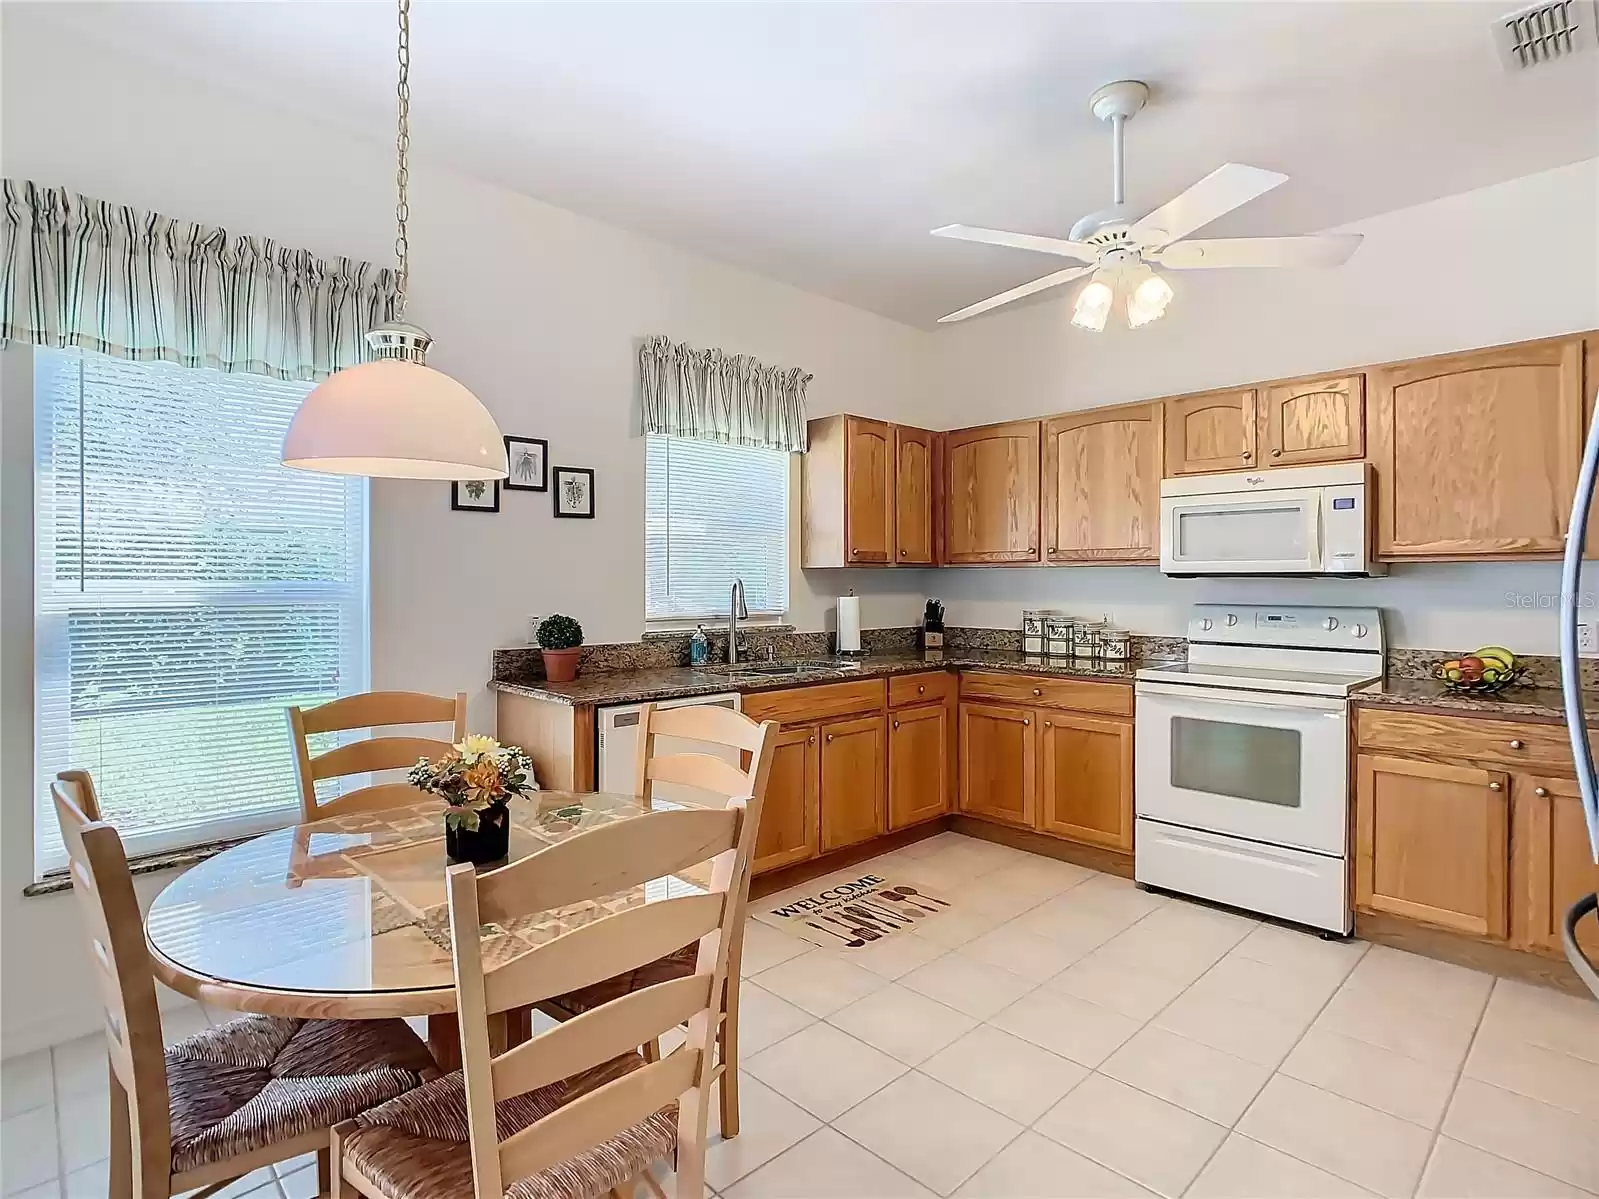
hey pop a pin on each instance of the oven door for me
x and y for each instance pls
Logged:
(1269, 532)
(1251, 764)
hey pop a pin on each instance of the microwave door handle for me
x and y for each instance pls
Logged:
(1318, 535)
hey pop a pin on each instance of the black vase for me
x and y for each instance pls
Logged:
(489, 844)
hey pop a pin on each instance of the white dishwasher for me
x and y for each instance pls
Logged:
(618, 745)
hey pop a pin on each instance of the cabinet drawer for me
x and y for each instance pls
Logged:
(931, 688)
(1496, 741)
(797, 705)
(1080, 695)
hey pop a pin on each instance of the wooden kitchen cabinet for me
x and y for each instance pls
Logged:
(1212, 431)
(991, 493)
(1477, 453)
(915, 485)
(918, 764)
(999, 763)
(1431, 843)
(848, 494)
(1304, 421)
(1551, 866)
(1086, 778)
(790, 815)
(1101, 484)
(853, 802)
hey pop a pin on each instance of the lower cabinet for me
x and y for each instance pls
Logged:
(1550, 865)
(789, 816)
(1432, 843)
(999, 763)
(918, 764)
(1086, 779)
(853, 800)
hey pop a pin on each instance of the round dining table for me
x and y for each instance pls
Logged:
(346, 918)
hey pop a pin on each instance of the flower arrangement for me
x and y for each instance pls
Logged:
(473, 777)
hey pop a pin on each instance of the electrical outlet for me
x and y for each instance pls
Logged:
(1588, 639)
(533, 629)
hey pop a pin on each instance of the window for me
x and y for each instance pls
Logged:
(713, 513)
(188, 588)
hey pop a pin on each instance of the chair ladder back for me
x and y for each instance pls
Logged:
(370, 710)
(103, 885)
(708, 725)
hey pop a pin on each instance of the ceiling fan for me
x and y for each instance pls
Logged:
(1121, 252)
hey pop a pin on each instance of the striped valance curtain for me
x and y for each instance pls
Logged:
(137, 285)
(714, 396)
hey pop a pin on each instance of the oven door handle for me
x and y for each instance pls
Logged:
(1231, 698)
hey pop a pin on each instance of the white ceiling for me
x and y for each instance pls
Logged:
(818, 143)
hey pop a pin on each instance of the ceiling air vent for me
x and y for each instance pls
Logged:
(1545, 32)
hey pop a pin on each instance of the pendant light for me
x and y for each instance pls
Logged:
(395, 417)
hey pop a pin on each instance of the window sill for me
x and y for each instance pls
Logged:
(150, 863)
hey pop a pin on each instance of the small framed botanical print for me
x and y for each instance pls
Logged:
(475, 495)
(527, 458)
(574, 491)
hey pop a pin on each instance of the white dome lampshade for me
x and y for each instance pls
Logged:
(395, 418)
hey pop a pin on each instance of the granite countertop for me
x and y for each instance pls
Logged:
(641, 686)
(1514, 702)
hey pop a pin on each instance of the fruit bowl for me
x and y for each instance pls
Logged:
(1489, 670)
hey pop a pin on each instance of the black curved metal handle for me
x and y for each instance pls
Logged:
(1585, 967)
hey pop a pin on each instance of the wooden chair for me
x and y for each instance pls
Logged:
(233, 1098)
(726, 729)
(576, 1112)
(370, 710)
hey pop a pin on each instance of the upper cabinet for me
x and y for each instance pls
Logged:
(915, 483)
(1313, 420)
(1211, 431)
(1477, 453)
(1102, 485)
(991, 493)
(868, 493)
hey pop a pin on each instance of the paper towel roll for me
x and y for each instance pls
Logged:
(849, 624)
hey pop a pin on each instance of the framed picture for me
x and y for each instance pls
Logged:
(574, 492)
(475, 495)
(527, 458)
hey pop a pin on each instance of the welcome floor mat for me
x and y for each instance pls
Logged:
(853, 913)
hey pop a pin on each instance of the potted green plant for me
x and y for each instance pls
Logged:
(560, 639)
(477, 779)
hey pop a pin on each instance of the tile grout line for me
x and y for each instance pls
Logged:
(55, 1118)
(1460, 1072)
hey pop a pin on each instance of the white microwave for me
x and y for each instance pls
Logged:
(1305, 520)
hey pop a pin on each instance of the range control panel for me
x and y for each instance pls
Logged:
(1287, 625)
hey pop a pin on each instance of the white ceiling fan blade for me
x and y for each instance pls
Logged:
(1016, 293)
(1227, 187)
(1022, 241)
(1331, 249)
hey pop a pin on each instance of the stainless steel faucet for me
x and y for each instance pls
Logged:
(737, 611)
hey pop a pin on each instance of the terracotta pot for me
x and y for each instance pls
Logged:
(560, 665)
(487, 845)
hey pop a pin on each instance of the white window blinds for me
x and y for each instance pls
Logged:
(188, 588)
(714, 513)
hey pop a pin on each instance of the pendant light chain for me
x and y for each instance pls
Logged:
(402, 145)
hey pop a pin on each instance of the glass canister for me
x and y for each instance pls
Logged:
(1033, 630)
(1085, 645)
(1059, 635)
(1115, 645)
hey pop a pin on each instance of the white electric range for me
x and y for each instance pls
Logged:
(1241, 785)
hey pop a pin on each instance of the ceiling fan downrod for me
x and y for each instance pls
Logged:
(1117, 103)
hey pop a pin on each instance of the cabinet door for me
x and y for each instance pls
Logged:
(1102, 485)
(853, 801)
(1431, 843)
(1314, 420)
(1210, 432)
(868, 490)
(918, 764)
(999, 763)
(1086, 779)
(915, 472)
(789, 815)
(991, 493)
(1477, 453)
(1551, 865)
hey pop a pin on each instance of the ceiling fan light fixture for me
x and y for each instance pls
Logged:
(1148, 301)
(1093, 305)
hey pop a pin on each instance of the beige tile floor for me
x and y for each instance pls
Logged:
(1060, 1033)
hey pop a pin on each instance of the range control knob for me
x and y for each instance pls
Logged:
(1206, 624)
(1330, 623)
(1360, 630)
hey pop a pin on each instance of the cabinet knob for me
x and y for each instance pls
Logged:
(1038, 691)
(1247, 455)
(1026, 722)
(830, 738)
(896, 724)
(904, 553)
(920, 689)
(812, 741)
(1491, 786)
(1517, 744)
(1541, 792)
(1274, 454)
(1052, 549)
(1049, 724)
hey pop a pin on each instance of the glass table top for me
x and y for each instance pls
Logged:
(355, 904)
